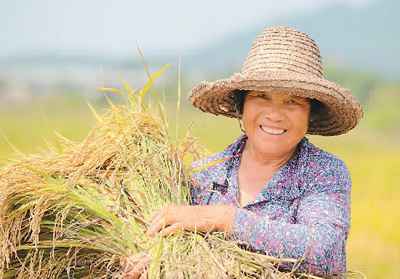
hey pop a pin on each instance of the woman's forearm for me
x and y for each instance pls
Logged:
(320, 245)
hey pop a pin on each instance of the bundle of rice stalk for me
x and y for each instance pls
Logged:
(79, 208)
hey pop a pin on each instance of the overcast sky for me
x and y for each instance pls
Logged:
(116, 27)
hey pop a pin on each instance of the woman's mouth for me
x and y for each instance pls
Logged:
(272, 131)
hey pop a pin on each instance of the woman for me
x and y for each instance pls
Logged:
(272, 190)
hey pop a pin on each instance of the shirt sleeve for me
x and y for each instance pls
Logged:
(318, 236)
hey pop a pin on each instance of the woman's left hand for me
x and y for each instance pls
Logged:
(204, 218)
(136, 266)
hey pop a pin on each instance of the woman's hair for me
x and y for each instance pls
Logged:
(238, 100)
(316, 107)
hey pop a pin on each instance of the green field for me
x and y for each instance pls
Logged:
(372, 156)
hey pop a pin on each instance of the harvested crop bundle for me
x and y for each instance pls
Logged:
(80, 209)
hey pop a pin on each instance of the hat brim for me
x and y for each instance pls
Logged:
(341, 112)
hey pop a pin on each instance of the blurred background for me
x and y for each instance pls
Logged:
(55, 54)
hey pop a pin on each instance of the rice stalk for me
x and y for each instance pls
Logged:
(79, 208)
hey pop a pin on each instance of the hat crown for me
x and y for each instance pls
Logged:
(283, 49)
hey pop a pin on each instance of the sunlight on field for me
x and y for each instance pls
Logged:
(374, 241)
(28, 129)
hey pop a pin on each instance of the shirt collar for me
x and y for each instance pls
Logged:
(283, 184)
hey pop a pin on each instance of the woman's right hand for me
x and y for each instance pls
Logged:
(135, 267)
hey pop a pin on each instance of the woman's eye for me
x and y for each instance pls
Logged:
(292, 102)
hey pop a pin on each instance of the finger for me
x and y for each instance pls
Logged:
(136, 266)
(157, 215)
(131, 275)
(128, 262)
(145, 260)
(167, 217)
(172, 229)
(144, 275)
(156, 227)
(123, 262)
(155, 219)
(163, 212)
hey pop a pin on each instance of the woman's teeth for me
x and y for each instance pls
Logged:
(272, 131)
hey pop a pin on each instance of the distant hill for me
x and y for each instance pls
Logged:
(363, 38)
(360, 48)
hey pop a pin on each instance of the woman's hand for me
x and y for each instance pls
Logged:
(172, 218)
(135, 267)
(204, 218)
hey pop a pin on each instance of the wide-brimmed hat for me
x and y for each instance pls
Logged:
(283, 59)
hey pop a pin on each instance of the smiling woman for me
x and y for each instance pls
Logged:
(272, 190)
(274, 123)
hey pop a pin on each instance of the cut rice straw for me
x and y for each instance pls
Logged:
(80, 209)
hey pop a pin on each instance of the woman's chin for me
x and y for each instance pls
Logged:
(269, 143)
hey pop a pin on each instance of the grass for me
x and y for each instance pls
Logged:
(374, 242)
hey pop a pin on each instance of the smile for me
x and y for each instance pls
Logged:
(272, 131)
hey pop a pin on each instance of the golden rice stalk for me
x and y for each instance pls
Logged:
(77, 210)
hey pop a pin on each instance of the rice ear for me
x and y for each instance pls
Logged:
(79, 210)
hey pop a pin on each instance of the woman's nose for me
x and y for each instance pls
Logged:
(274, 114)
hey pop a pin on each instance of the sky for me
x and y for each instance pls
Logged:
(116, 28)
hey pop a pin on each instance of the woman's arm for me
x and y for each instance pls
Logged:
(319, 234)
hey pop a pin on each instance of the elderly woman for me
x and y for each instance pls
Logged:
(272, 190)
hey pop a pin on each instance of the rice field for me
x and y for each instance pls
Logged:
(373, 160)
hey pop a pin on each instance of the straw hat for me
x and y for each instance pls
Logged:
(283, 59)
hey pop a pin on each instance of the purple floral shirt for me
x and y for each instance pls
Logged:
(302, 212)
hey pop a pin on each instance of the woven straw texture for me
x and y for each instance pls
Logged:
(283, 59)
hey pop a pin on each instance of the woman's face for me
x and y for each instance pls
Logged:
(275, 123)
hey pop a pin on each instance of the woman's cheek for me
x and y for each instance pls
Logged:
(299, 119)
(249, 122)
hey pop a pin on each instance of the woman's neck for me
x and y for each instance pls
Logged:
(266, 160)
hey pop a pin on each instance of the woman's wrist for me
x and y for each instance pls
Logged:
(226, 215)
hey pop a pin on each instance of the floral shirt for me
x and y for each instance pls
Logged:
(303, 211)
